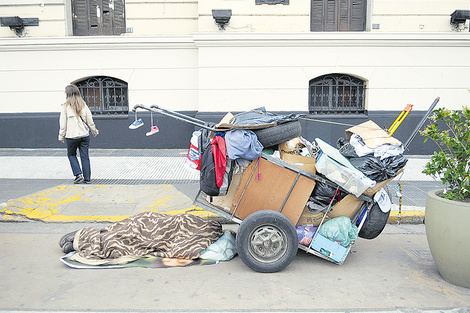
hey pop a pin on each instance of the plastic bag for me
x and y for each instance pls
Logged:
(322, 194)
(395, 163)
(345, 148)
(379, 170)
(224, 249)
(373, 168)
(340, 229)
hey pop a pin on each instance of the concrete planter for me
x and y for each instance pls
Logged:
(448, 233)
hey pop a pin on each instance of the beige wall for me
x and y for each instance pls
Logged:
(273, 70)
(177, 57)
(33, 75)
(235, 71)
(184, 17)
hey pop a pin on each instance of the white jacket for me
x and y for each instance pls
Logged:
(72, 126)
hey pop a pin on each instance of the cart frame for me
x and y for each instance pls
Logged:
(201, 198)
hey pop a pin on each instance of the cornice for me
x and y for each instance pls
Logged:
(95, 43)
(333, 39)
(196, 40)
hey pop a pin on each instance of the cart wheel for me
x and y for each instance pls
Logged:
(375, 223)
(267, 241)
(275, 135)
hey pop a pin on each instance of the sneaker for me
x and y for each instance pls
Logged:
(67, 238)
(68, 247)
(152, 131)
(136, 124)
(86, 182)
(78, 179)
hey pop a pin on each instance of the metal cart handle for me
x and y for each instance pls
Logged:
(175, 115)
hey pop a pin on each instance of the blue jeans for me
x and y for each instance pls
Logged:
(82, 144)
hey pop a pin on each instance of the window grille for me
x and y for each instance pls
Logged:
(337, 94)
(105, 95)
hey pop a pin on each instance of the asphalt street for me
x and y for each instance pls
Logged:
(393, 273)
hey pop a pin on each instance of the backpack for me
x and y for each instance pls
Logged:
(208, 178)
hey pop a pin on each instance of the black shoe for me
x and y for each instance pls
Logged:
(85, 182)
(67, 238)
(68, 247)
(78, 179)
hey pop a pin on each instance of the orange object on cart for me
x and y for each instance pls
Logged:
(400, 119)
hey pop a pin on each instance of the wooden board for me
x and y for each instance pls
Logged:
(270, 192)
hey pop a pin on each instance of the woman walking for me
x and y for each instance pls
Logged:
(75, 125)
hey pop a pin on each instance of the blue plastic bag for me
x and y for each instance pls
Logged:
(224, 249)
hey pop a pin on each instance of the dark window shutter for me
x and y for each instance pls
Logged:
(95, 17)
(331, 15)
(98, 17)
(119, 17)
(338, 15)
(316, 16)
(80, 17)
(358, 15)
(344, 15)
(107, 26)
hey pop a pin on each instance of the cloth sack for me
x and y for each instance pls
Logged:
(242, 144)
(224, 249)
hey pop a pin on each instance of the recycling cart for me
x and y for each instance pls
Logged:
(269, 198)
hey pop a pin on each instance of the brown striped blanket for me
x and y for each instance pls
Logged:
(146, 234)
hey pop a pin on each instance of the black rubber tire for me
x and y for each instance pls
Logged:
(267, 241)
(375, 222)
(280, 133)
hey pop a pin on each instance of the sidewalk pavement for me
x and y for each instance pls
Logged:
(393, 273)
(36, 184)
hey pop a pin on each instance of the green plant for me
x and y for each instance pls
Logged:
(450, 130)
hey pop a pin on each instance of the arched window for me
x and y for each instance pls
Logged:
(336, 94)
(105, 95)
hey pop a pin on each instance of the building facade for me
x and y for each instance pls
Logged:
(339, 62)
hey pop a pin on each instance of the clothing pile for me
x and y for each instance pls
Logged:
(146, 234)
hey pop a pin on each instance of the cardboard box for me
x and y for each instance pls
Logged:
(225, 202)
(270, 192)
(372, 135)
(307, 218)
(290, 155)
(348, 206)
(305, 163)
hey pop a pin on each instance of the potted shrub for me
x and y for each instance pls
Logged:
(448, 209)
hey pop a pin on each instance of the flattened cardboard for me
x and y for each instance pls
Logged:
(226, 201)
(270, 192)
(348, 206)
(372, 135)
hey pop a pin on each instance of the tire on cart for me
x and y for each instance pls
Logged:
(275, 135)
(375, 222)
(267, 241)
